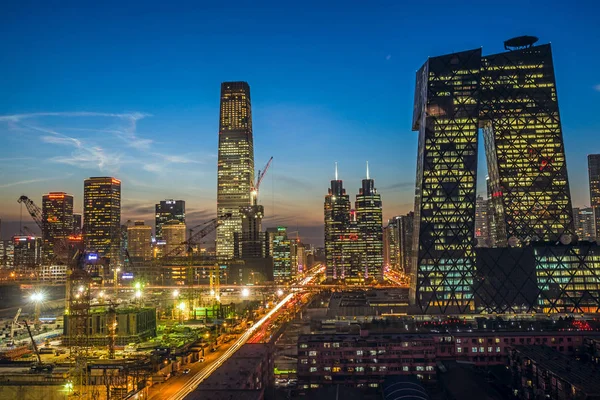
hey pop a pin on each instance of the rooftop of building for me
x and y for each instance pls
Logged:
(584, 376)
(462, 381)
(234, 373)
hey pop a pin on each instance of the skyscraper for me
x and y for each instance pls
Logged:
(102, 216)
(57, 223)
(482, 222)
(522, 133)
(585, 226)
(167, 210)
(511, 95)
(235, 163)
(250, 242)
(139, 241)
(174, 235)
(594, 175)
(139, 248)
(280, 251)
(337, 218)
(369, 216)
(398, 242)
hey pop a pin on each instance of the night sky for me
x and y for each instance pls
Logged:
(132, 91)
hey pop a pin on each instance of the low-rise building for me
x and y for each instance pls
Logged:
(247, 374)
(542, 372)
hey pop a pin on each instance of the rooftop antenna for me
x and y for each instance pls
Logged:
(336, 171)
(368, 170)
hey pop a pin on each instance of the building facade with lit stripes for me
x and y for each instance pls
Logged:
(57, 222)
(235, 163)
(102, 216)
(512, 97)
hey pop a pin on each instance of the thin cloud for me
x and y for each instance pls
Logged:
(20, 117)
(597, 88)
(25, 182)
(388, 57)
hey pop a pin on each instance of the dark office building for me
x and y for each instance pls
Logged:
(102, 216)
(369, 217)
(77, 222)
(250, 243)
(594, 175)
(235, 164)
(512, 96)
(57, 224)
(168, 210)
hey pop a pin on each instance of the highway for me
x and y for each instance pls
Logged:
(188, 386)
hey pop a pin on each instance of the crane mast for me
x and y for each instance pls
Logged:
(259, 178)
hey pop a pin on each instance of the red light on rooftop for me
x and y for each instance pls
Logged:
(56, 196)
(116, 181)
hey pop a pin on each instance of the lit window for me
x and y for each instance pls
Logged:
(336, 369)
(313, 369)
(359, 352)
(336, 345)
(459, 350)
(458, 340)
(304, 361)
(474, 350)
(497, 349)
(420, 368)
(312, 353)
(327, 345)
(405, 368)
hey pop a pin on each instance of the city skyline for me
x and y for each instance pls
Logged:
(163, 139)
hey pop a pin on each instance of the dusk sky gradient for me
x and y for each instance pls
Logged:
(131, 90)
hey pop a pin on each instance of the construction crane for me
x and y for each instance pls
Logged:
(32, 209)
(259, 178)
(39, 367)
(13, 327)
(209, 227)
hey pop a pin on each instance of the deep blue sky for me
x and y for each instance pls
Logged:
(134, 88)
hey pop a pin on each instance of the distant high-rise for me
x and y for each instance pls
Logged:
(369, 217)
(168, 210)
(139, 241)
(174, 235)
(398, 246)
(102, 216)
(235, 163)
(337, 218)
(77, 222)
(57, 222)
(482, 222)
(280, 251)
(594, 175)
(511, 95)
(585, 226)
(27, 251)
(250, 242)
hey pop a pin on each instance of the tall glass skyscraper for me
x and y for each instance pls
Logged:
(369, 217)
(102, 216)
(512, 96)
(57, 221)
(337, 219)
(235, 164)
(168, 210)
(594, 175)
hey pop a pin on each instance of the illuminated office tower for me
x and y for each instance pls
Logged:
(139, 241)
(102, 216)
(279, 244)
(369, 216)
(594, 175)
(27, 251)
(446, 116)
(512, 96)
(524, 144)
(337, 218)
(398, 242)
(168, 210)
(57, 222)
(174, 235)
(482, 222)
(585, 226)
(235, 164)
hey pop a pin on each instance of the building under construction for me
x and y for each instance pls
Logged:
(134, 325)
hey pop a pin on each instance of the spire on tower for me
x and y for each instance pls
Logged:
(368, 170)
(336, 171)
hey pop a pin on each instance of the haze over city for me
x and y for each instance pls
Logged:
(133, 92)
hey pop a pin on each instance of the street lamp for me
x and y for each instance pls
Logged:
(245, 292)
(37, 298)
(181, 308)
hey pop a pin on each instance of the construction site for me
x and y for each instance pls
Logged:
(94, 331)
